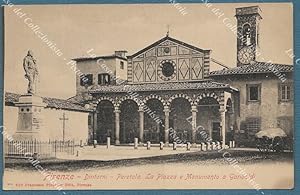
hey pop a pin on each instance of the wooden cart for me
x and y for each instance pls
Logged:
(271, 140)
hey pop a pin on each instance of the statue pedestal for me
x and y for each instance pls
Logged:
(30, 118)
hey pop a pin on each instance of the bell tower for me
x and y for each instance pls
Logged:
(248, 19)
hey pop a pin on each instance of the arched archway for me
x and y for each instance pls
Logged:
(105, 121)
(154, 114)
(208, 117)
(129, 121)
(180, 112)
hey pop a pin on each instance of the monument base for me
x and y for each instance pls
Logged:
(30, 118)
(27, 136)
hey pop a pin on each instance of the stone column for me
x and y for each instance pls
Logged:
(141, 132)
(223, 126)
(95, 125)
(117, 121)
(194, 122)
(167, 123)
(230, 124)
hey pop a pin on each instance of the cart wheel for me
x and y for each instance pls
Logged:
(264, 144)
(277, 144)
(263, 149)
(288, 143)
(259, 144)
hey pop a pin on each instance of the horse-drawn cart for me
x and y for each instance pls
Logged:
(272, 139)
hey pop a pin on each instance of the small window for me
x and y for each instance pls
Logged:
(285, 92)
(121, 65)
(253, 92)
(87, 80)
(103, 79)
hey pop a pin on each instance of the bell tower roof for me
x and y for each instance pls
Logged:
(251, 10)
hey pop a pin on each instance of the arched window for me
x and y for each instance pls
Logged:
(246, 35)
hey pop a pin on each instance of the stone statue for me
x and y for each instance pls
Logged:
(31, 72)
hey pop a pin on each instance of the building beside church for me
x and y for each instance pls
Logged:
(168, 88)
(168, 85)
(60, 118)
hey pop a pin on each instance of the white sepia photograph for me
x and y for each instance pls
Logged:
(148, 96)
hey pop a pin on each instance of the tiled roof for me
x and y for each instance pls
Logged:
(257, 67)
(76, 99)
(98, 57)
(160, 87)
(51, 102)
(81, 98)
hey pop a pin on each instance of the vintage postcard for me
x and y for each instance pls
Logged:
(148, 96)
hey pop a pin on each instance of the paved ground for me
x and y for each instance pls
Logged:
(189, 170)
(101, 153)
(126, 156)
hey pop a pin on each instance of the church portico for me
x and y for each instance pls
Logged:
(131, 125)
(154, 120)
(180, 111)
(150, 117)
(209, 108)
(105, 121)
(166, 95)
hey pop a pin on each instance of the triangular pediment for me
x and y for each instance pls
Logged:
(186, 62)
(175, 47)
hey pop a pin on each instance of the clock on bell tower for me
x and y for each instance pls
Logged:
(248, 19)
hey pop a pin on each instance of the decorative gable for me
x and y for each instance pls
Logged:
(168, 60)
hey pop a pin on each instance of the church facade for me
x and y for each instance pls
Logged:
(166, 92)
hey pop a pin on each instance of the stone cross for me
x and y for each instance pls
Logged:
(64, 119)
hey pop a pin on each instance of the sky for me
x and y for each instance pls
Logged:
(103, 29)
